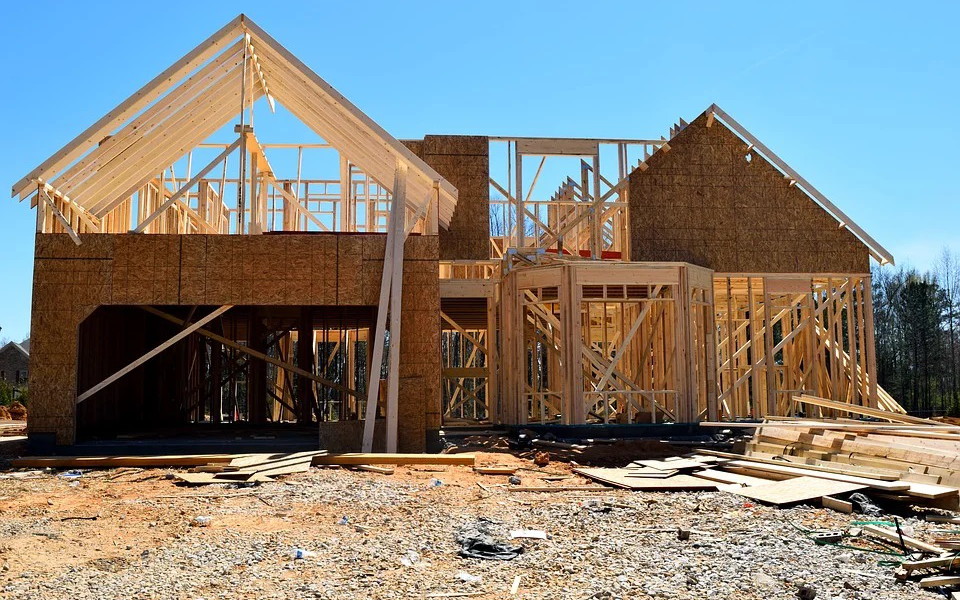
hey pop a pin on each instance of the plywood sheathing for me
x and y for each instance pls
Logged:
(71, 281)
(464, 161)
(703, 202)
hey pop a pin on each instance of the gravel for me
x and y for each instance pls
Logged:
(399, 540)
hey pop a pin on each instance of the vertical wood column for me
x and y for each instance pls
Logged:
(257, 383)
(571, 344)
(306, 398)
(216, 379)
(870, 342)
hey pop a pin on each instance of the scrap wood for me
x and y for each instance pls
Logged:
(888, 476)
(495, 470)
(679, 464)
(891, 535)
(619, 478)
(863, 410)
(797, 471)
(362, 458)
(558, 488)
(948, 563)
(729, 478)
(207, 478)
(798, 489)
(552, 444)
(939, 581)
(376, 469)
(285, 464)
(650, 472)
(837, 504)
(110, 462)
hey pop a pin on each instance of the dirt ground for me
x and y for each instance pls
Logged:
(131, 533)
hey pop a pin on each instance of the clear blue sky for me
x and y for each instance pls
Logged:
(860, 98)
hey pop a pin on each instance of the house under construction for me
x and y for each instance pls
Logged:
(191, 272)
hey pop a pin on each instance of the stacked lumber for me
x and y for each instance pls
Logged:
(921, 454)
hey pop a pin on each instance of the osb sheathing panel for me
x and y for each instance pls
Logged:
(702, 202)
(464, 161)
(70, 281)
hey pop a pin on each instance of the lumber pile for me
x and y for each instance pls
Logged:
(903, 458)
(245, 468)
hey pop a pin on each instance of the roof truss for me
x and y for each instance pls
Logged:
(198, 95)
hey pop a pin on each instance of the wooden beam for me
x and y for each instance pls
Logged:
(365, 458)
(59, 215)
(133, 365)
(396, 286)
(250, 351)
(186, 187)
(392, 252)
(863, 410)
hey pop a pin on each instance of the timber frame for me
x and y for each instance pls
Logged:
(405, 286)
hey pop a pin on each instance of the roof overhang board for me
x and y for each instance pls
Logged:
(197, 96)
(881, 254)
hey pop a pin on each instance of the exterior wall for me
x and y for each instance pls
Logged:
(12, 361)
(702, 202)
(70, 281)
(464, 161)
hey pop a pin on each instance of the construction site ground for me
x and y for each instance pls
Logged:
(135, 533)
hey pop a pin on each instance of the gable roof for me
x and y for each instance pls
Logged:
(14, 346)
(881, 254)
(198, 95)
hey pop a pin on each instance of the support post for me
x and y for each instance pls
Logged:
(392, 266)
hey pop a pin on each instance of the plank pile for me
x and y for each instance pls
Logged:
(248, 468)
(905, 459)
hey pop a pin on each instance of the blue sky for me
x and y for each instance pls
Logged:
(857, 97)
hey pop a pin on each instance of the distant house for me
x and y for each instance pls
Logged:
(15, 364)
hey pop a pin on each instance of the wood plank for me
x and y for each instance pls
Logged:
(730, 478)
(495, 470)
(864, 411)
(208, 478)
(366, 458)
(798, 489)
(136, 363)
(112, 462)
(376, 469)
(838, 469)
(940, 581)
(670, 465)
(618, 478)
(948, 563)
(891, 535)
(793, 471)
(283, 464)
(836, 504)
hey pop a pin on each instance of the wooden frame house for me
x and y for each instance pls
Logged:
(190, 273)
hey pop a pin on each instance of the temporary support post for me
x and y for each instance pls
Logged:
(392, 264)
(396, 286)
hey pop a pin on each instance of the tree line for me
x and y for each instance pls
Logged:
(917, 329)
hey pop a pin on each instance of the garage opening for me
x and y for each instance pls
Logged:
(247, 367)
